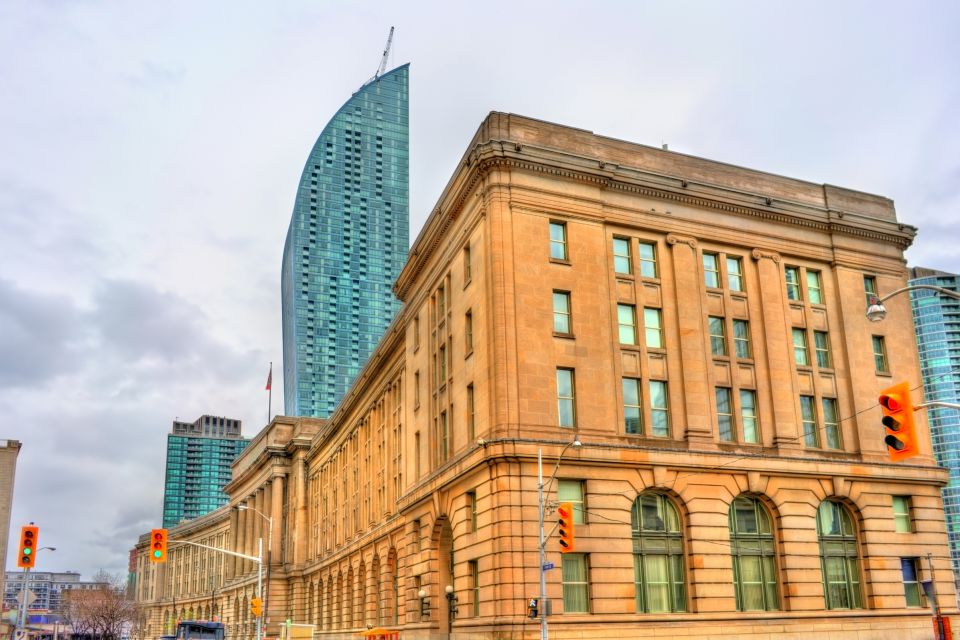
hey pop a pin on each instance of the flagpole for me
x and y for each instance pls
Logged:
(270, 394)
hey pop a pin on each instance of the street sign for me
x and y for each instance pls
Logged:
(20, 634)
(548, 565)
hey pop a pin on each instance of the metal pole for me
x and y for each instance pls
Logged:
(260, 586)
(266, 596)
(543, 559)
(22, 617)
(933, 599)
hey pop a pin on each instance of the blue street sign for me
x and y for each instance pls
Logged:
(547, 566)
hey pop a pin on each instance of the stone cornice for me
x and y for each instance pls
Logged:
(759, 254)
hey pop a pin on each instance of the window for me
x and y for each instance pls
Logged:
(838, 556)
(659, 409)
(632, 416)
(472, 509)
(658, 555)
(748, 416)
(566, 401)
(792, 275)
(718, 336)
(468, 333)
(741, 338)
(653, 328)
(572, 491)
(814, 287)
(751, 546)
(724, 414)
(441, 304)
(711, 270)
(800, 354)
(911, 582)
(831, 424)
(870, 288)
(416, 333)
(735, 274)
(416, 534)
(808, 413)
(561, 313)
(627, 323)
(902, 521)
(467, 266)
(558, 241)
(442, 366)
(471, 414)
(416, 446)
(575, 584)
(444, 436)
(880, 355)
(622, 261)
(416, 389)
(648, 260)
(475, 586)
(821, 344)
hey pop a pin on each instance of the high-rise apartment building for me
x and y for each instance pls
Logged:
(937, 321)
(199, 455)
(347, 241)
(47, 587)
(9, 450)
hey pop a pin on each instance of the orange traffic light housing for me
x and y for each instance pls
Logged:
(901, 438)
(27, 556)
(158, 545)
(256, 607)
(565, 526)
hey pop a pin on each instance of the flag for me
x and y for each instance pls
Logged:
(269, 379)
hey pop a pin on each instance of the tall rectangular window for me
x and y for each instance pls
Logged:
(801, 355)
(622, 260)
(648, 260)
(558, 240)
(711, 270)
(566, 399)
(441, 304)
(467, 266)
(831, 423)
(724, 414)
(870, 288)
(808, 414)
(475, 586)
(416, 389)
(627, 323)
(734, 274)
(632, 416)
(880, 355)
(442, 366)
(718, 336)
(911, 582)
(444, 436)
(561, 313)
(653, 328)
(468, 332)
(792, 275)
(741, 338)
(471, 414)
(572, 491)
(472, 509)
(575, 583)
(416, 446)
(821, 343)
(748, 416)
(416, 333)
(814, 287)
(902, 520)
(659, 409)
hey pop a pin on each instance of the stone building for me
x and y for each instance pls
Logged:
(9, 451)
(699, 328)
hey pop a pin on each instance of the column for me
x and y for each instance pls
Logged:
(251, 542)
(230, 570)
(276, 512)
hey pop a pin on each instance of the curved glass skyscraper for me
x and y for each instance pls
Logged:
(347, 241)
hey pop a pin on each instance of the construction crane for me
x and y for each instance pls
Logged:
(386, 55)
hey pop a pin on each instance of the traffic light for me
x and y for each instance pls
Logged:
(901, 438)
(27, 557)
(565, 522)
(256, 607)
(158, 545)
(532, 608)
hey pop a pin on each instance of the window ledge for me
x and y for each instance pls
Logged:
(630, 347)
(884, 374)
(560, 261)
(567, 336)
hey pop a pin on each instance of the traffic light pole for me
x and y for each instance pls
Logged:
(542, 545)
(22, 612)
(260, 587)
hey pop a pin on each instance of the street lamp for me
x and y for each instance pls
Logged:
(877, 312)
(576, 444)
(260, 594)
(451, 601)
(22, 617)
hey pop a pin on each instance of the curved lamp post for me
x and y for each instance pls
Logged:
(260, 593)
(541, 487)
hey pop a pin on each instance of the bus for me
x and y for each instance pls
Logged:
(200, 630)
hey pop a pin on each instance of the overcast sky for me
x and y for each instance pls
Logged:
(150, 154)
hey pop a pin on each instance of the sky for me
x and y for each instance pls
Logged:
(150, 154)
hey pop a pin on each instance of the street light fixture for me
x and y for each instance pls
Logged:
(877, 312)
(576, 444)
(260, 593)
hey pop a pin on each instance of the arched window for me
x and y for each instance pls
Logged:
(658, 555)
(751, 546)
(838, 557)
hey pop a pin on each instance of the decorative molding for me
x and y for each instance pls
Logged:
(841, 487)
(757, 482)
(759, 254)
(673, 239)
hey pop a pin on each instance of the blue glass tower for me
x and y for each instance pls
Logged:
(937, 320)
(347, 241)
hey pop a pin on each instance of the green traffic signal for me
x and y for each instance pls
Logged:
(27, 551)
(157, 554)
